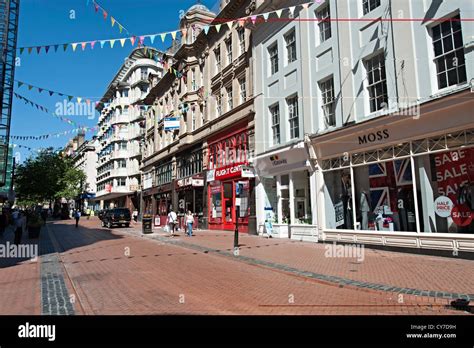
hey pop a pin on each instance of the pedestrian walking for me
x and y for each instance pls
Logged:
(189, 223)
(172, 221)
(77, 216)
(19, 223)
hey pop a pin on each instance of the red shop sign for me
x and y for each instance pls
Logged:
(462, 215)
(233, 171)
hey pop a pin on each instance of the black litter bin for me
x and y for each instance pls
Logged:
(146, 225)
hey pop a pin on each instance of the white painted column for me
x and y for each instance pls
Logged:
(292, 199)
(279, 207)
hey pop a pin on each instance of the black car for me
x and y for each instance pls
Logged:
(101, 214)
(116, 217)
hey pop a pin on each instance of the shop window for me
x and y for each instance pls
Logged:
(384, 196)
(216, 202)
(338, 199)
(445, 186)
(301, 197)
(271, 198)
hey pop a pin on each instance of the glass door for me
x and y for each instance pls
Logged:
(228, 204)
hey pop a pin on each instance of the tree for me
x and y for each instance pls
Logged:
(47, 176)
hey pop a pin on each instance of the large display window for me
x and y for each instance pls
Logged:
(338, 199)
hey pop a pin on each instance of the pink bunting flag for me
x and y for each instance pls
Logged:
(104, 13)
(93, 44)
(132, 40)
(83, 45)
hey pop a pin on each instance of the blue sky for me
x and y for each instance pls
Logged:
(80, 73)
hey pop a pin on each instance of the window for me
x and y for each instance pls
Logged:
(122, 163)
(243, 90)
(125, 93)
(189, 164)
(324, 23)
(370, 5)
(218, 105)
(121, 182)
(377, 83)
(193, 80)
(327, 95)
(291, 46)
(230, 102)
(217, 54)
(293, 117)
(273, 53)
(164, 173)
(449, 53)
(193, 119)
(144, 73)
(275, 118)
(241, 34)
(228, 46)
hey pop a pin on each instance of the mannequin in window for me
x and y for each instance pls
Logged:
(346, 198)
(364, 209)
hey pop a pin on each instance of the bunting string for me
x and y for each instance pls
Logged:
(99, 9)
(46, 110)
(52, 93)
(53, 135)
(140, 39)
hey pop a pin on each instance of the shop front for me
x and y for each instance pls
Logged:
(401, 181)
(163, 199)
(229, 183)
(190, 192)
(285, 204)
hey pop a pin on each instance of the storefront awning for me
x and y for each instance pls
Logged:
(283, 160)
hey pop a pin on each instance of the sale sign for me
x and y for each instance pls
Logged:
(462, 215)
(443, 206)
(453, 170)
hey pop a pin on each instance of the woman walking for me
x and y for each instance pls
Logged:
(189, 223)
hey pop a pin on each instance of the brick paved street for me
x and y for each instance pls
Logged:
(120, 271)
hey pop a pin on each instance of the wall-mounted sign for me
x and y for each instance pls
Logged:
(374, 136)
(228, 172)
(339, 212)
(443, 206)
(171, 123)
(108, 188)
(462, 215)
(198, 182)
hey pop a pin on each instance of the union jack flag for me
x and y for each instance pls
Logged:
(385, 180)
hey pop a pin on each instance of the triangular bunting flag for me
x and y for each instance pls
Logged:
(112, 20)
(40, 90)
(21, 50)
(206, 29)
(30, 87)
(218, 27)
(69, 97)
(141, 40)
(96, 7)
(79, 99)
(29, 49)
(102, 43)
(112, 42)
(242, 21)
(20, 84)
(278, 13)
(173, 35)
(83, 44)
(122, 42)
(305, 6)
(104, 13)
(152, 38)
(65, 47)
(56, 48)
(74, 45)
(93, 44)
(229, 24)
(88, 101)
(265, 16)
(51, 93)
(163, 36)
(132, 40)
(38, 49)
(120, 28)
(292, 10)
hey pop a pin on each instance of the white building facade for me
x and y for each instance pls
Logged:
(386, 101)
(121, 130)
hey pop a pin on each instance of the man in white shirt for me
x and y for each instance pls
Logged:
(172, 221)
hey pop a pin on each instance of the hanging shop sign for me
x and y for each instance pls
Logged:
(171, 123)
(248, 172)
(210, 175)
(443, 206)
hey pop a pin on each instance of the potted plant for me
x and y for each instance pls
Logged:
(34, 225)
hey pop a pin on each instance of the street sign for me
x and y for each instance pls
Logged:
(171, 123)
